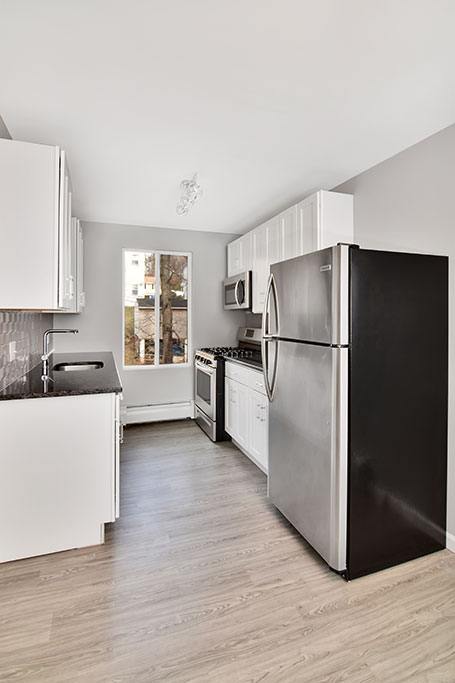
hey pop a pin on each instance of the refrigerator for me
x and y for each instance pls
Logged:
(355, 357)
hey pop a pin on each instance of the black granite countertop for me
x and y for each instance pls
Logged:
(104, 380)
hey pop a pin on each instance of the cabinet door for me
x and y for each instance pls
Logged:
(292, 240)
(117, 439)
(230, 408)
(259, 434)
(227, 406)
(29, 175)
(243, 409)
(274, 240)
(236, 406)
(307, 224)
(62, 233)
(246, 252)
(233, 258)
(80, 293)
(336, 219)
(260, 268)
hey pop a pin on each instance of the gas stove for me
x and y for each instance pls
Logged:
(210, 355)
(209, 378)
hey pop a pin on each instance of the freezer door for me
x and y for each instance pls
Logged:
(312, 295)
(308, 445)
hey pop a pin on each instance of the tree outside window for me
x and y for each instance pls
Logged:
(155, 308)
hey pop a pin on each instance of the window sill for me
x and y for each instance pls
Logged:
(172, 366)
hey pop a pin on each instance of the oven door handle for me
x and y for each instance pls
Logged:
(205, 368)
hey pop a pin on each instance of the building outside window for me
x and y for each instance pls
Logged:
(156, 308)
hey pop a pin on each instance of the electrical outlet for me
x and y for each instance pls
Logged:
(12, 351)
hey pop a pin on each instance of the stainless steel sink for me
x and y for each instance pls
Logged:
(76, 367)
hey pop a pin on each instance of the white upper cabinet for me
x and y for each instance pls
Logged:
(291, 233)
(260, 267)
(76, 294)
(38, 269)
(240, 255)
(274, 241)
(319, 221)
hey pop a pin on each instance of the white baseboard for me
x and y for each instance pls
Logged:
(157, 412)
(451, 542)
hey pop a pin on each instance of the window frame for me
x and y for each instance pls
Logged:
(158, 252)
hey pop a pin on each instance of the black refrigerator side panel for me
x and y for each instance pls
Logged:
(397, 408)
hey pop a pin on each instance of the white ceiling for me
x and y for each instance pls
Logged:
(266, 99)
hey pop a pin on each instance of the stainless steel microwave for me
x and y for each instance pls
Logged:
(237, 291)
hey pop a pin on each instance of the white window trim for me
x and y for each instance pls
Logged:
(158, 366)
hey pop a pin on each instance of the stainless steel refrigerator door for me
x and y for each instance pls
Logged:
(308, 445)
(312, 297)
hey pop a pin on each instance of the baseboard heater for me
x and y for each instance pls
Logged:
(157, 412)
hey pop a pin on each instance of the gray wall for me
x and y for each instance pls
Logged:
(100, 325)
(4, 132)
(407, 204)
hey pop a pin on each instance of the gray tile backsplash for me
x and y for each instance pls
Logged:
(26, 329)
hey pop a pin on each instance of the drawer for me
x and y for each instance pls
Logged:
(249, 376)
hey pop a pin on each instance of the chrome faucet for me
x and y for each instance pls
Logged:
(47, 353)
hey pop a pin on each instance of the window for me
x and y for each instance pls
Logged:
(156, 308)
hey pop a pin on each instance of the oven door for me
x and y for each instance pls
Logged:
(237, 291)
(205, 389)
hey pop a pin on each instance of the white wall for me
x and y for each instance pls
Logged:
(100, 325)
(407, 203)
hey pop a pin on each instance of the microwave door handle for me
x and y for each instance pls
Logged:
(235, 293)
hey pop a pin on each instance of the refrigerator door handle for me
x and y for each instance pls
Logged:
(267, 338)
(271, 291)
(269, 386)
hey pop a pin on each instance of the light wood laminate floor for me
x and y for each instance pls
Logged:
(202, 580)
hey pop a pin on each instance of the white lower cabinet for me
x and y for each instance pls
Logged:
(259, 432)
(59, 473)
(236, 397)
(247, 412)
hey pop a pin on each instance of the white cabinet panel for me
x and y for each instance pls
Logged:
(28, 213)
(58, 474)
(336, 219)
(36, 259)
(76, 295)
(229, 407)
(239, 255)
(247, 412)
(274, 241)
(307, 224)
(259, 435)
(233, 258)
(291, 234)
(260, 268)
(236, 411)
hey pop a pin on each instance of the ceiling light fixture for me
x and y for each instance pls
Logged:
(191, 191)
